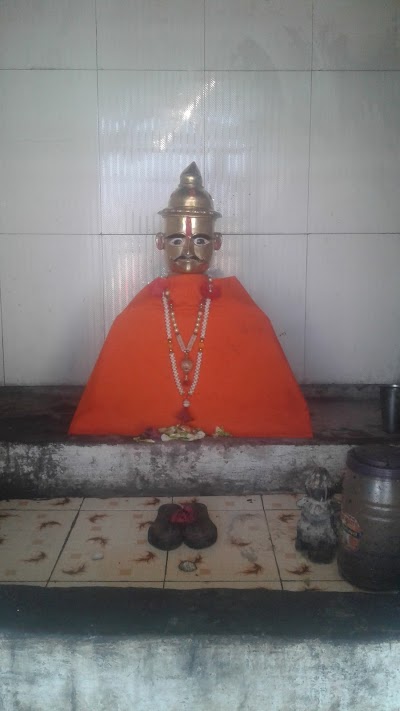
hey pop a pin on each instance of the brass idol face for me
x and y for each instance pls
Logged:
(189, 239)
(191, 251)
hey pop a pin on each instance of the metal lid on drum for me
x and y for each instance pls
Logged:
(378, 460)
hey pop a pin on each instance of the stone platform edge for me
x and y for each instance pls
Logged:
(105, 611)
(212, 467)
(39, 459)
(225, 650)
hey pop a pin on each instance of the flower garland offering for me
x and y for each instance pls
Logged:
(175, 432)
(181, 432)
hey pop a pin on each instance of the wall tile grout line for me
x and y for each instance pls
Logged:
(210, 69)
(187, 71)
(165, 570)
(100, 211)
(226, 234)
(308, 200)
(100, 195)
(3, 379)
(305, 369)
(310, 119)
(204, 92)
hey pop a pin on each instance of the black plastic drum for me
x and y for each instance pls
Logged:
(369, 544)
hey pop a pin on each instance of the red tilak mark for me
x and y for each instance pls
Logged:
(188, 227)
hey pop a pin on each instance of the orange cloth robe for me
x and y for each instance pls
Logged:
(246, 385)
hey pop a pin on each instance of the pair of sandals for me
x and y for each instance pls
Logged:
(189, 524)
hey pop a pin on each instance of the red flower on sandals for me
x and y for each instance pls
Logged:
(185, 515)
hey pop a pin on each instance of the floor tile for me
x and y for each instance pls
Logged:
(134, 503)
(319, 586)
(107, 584)
(224, 503)
(30, 543)
(110, 546)
(292, 565)
(243, 552)
(281, 501)
(243, 585)
(63, 503)
(107, 546)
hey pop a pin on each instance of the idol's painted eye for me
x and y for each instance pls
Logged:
(200, 240)
(176, 241)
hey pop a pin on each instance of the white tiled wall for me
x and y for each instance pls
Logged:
(356, 34)
(151, 124)
(258, 35)
(257, 149)
(130, 262)
(355, 152)
(48, 146)
(353, 314)
(50, 34)
(291, 108)
(282, 294)
(150, 34)
(52, 307)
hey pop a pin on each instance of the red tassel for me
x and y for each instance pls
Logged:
(215, 292)
(184, 415)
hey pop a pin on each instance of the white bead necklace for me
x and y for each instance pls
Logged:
(185, 388)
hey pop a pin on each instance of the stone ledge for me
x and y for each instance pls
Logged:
(102, 611)
(223, 650)
(39, 459)
(174, 468)
(42, 414)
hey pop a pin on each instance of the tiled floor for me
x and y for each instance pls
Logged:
(70, 542)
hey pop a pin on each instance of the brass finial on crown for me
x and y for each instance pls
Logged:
(190, 197)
